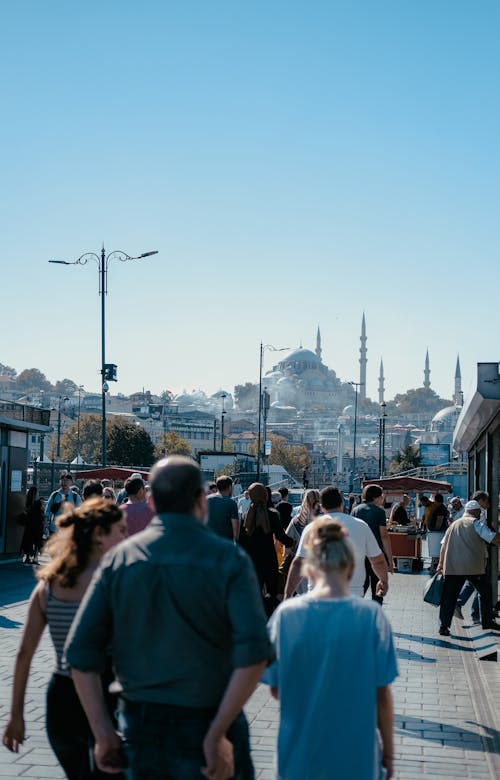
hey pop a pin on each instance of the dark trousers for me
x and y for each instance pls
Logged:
(163, 742)
(371, 581)
(69, 733)
(452, 586)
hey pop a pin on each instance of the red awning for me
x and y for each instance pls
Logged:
(113, 472)
(410, 485)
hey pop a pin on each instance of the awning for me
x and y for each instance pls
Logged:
(410, 485)
(480, 409)
(111, 472)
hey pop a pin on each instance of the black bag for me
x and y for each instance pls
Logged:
(433, 591)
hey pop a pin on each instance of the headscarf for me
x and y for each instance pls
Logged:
(257, 516)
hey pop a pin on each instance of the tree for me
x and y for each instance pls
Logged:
(65, 387)
(32, 380)
(293, 457)
(417, 401)
(8, 371)
(406, 459)
(127, 443)
(247, 396)
(171, 443)
(90, 440)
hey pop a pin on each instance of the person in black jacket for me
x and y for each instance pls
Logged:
(32, 541)
(260, 525)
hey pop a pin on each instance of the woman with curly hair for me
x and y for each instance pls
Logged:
(85, 534)
(335, 661)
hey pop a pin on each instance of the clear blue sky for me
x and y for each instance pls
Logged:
(294, 163)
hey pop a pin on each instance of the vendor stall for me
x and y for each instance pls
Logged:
(406, 540)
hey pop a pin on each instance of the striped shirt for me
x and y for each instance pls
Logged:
(59, 615)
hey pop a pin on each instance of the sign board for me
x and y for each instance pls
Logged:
(434, 454)
(16, 481)
(267, 448)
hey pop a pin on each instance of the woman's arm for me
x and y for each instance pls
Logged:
(14, 733)
(385, 725)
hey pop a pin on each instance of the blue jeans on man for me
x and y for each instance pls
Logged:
(165, 742)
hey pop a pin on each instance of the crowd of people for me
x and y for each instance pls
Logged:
(160, 638)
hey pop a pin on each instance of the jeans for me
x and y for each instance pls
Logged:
(69, 733)
(465, 594)
(165, 742)
(371, 581)
(451, 588)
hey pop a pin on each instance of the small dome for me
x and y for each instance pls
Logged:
(348, 411)
(448, 414)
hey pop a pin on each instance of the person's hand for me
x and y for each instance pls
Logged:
(382, 588)
(14, 735)
(219, 756)
(108, 753)
(390, 566)
(439, 568)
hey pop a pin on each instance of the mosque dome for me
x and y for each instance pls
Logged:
(348, 411)
(447, 416)
(302, 356)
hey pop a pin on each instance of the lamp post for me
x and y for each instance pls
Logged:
(356, 386)
(381, 442)
(271, 348)
(80, 388)
(61, 399)
(223, 397)
(108, 371)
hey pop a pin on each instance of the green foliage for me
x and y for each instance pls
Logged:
(65, 387)
(90, 439)
(127, 444)
(8, 371)
(171, 443)
(417, 401)
(32, 380)
(293, 457)
(406, 459)
(247, 396)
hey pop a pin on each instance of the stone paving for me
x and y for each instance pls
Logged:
(447, 703)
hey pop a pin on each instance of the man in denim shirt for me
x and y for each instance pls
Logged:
(181, 610)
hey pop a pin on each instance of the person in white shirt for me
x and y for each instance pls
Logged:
(361, 538)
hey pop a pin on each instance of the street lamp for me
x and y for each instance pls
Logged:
(381, 445)
(80, 388)
(108, 371)
(271, 348)
(61, 399)
(356, 386)
(223, 397)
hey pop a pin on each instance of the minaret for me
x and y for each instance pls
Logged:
(457, 397)
(318, 344)
(427, 372)
(362, 361)
(381, 380)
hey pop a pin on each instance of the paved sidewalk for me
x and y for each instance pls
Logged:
(447, 703)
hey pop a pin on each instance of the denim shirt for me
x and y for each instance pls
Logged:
(180, 608)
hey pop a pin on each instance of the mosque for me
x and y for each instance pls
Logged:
(302, 382)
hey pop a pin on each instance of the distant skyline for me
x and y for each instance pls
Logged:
(294, 164)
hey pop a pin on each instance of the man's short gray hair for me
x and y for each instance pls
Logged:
(175, 484)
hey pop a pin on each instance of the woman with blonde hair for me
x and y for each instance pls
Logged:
(85, 534)
(309, 510)
(335, 661)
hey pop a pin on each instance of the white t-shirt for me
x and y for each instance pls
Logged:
(362, 539)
